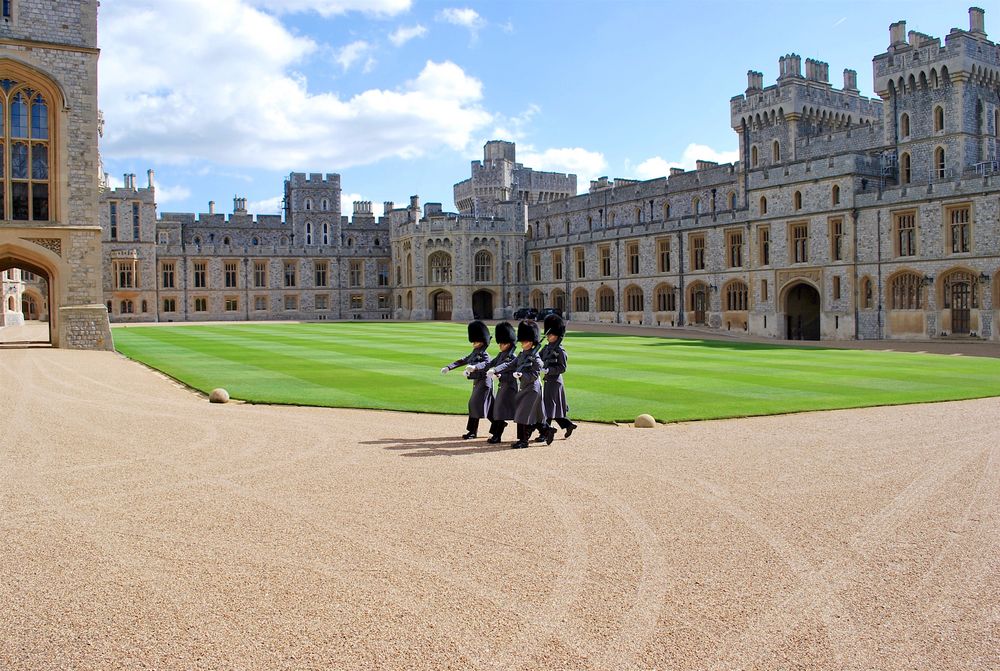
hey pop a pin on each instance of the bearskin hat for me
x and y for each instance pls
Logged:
(555, 324)
(505, 333)
(527, 330)
(478, 332)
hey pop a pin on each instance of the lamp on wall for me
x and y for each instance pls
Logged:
(713, 287)
(984, 277)
(927, 280)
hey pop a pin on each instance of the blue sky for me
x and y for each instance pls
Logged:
(225, 98)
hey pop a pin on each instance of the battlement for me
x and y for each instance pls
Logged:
(301, 179)
(916, 60)
(213, 220)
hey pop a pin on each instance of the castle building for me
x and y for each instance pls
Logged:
(846, 217)
(48, 201)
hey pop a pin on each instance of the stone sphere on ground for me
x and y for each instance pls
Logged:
(645, 422)
(219, 395)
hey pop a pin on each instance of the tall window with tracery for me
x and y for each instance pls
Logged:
(736, 296)
(483, 266)
(440, 263)
(24, 140)
(906, 292)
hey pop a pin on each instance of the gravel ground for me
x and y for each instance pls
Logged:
(142, 527)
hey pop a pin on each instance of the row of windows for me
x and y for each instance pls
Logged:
(260, 274)
(938, 116)
(908, 291)
(129, 213)
(284, 241)
(797, 199)
(321, 302)
(938, 168)
(664, 298)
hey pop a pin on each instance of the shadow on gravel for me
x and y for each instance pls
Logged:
(437, 447)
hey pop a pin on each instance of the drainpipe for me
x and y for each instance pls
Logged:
(854, 227)
(879, 262)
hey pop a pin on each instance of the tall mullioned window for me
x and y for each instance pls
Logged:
(167, 270)
(24, 140)
(113, 219)
(632, 257)
(698, 252)
(231, 270)
(557, 265)
(581, 263)
(800, 243)
(319, 273)
(663, 255)
(734, 248)
(960, 229)
(200, 274)
(135, 221)
(260, 274)
(483, 265)
(906, 234)
(837, 239)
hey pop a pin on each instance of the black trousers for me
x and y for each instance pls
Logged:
(497, 427)
(472, 426)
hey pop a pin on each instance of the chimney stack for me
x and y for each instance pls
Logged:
(211, 207)
(149, 176)
(977, 21)
(897, 34)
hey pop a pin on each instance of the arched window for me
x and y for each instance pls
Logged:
(906, 292)
(558, 300)
(605, 299)
(326, 234)
(409, 300)
(581, 300)
(409, 268)
(537, 299)
(309, 233)
(696, 206)
(440, 263)
(399, 276)
(867, 294)
(378, 242)
(666, 211)
(904, 169)
(959, 283)
(350, 242)
(763, 205)
(309, 204)
(737, 294)
(226, 241)
(732, 200)
(776, 151)
(25, 139)
(126, 307)
(255, 241)
(835, 195)
(324, 205)
(939, 162)
(483, 265)
(753, 156)
(938, 118)
(664, 298)
(797, 200)
(634, 300)
(904, 125)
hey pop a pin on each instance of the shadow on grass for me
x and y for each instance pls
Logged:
(437, 447)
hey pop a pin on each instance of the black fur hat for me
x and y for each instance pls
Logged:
(527, 330)
(505, 333)
(478, 332)
(555, 324)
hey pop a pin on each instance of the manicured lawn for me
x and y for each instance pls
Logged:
(396, 366)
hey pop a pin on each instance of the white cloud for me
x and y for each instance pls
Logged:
(513, 128)
(659, 167)
(229, 94)
(266, 206)
(585, 164)
(465, 17)
(404, 34)
(354, 52)
(171, 194)
(329, 8)
(347, 204)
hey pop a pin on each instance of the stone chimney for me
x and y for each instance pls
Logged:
(977, 21)
(211, 206)
(239, 205)
(387, 207)
(790, 65)
(897, 34)
(149, 178)
(755, 81)
(850, 81)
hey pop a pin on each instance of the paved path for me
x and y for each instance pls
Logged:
(142, 527)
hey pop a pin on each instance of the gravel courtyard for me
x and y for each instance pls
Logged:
(142, 527)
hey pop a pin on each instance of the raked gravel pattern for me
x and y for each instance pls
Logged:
(143, 528)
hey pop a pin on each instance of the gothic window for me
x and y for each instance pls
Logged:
(763, 205)
(135, 221)
(581, 300)
(960, 229)
(309, 233)
(664, 298)
(835, 195)
(753, 156)
(605, 299)
(663, 255)
(732, 200)
(904, 169)
(734, 248)
(255, 241)
(25, 139)
(112, 217)
(800, 242)
(906, 233)
(966, 283)
(634, 301)
(904, 125)
(797, 200)
(696, 206)
(537, 299)
(440, 264)
(326, 234)
(324, 205)
(939, 162)
(226, 241)
(776, 151)
(938, 118)
(906, 292)
(126, 307)
(483, 266)
(736, 296)
(309, 204)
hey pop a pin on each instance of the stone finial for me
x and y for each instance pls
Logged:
(977, 21)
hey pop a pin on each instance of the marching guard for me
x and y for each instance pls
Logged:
(481, 400)
(554, 362)
(504, 403)
(526, 367)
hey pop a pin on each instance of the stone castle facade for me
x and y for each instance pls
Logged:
(846, 217)
(50, 238)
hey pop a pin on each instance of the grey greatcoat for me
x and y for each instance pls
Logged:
(554, 360)
(528, 402)
(504, 403)
(481, 400)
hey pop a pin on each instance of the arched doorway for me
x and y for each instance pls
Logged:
(482, 304)
(698, 294)
(442, 305)
(802, 312)
(27, 304)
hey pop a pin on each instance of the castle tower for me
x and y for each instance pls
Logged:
(941, 103)
(48, 70)
(312, 209)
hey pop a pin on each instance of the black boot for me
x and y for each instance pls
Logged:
(471, 428)
(550, 435)
(543, 429)
(496, 432)
(523, 431)
(569, 426)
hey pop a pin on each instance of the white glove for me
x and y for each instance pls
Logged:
(469, 370)
(491, 373)
(445, 370)
(544, 371)
(466, 372)
(517, 376)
